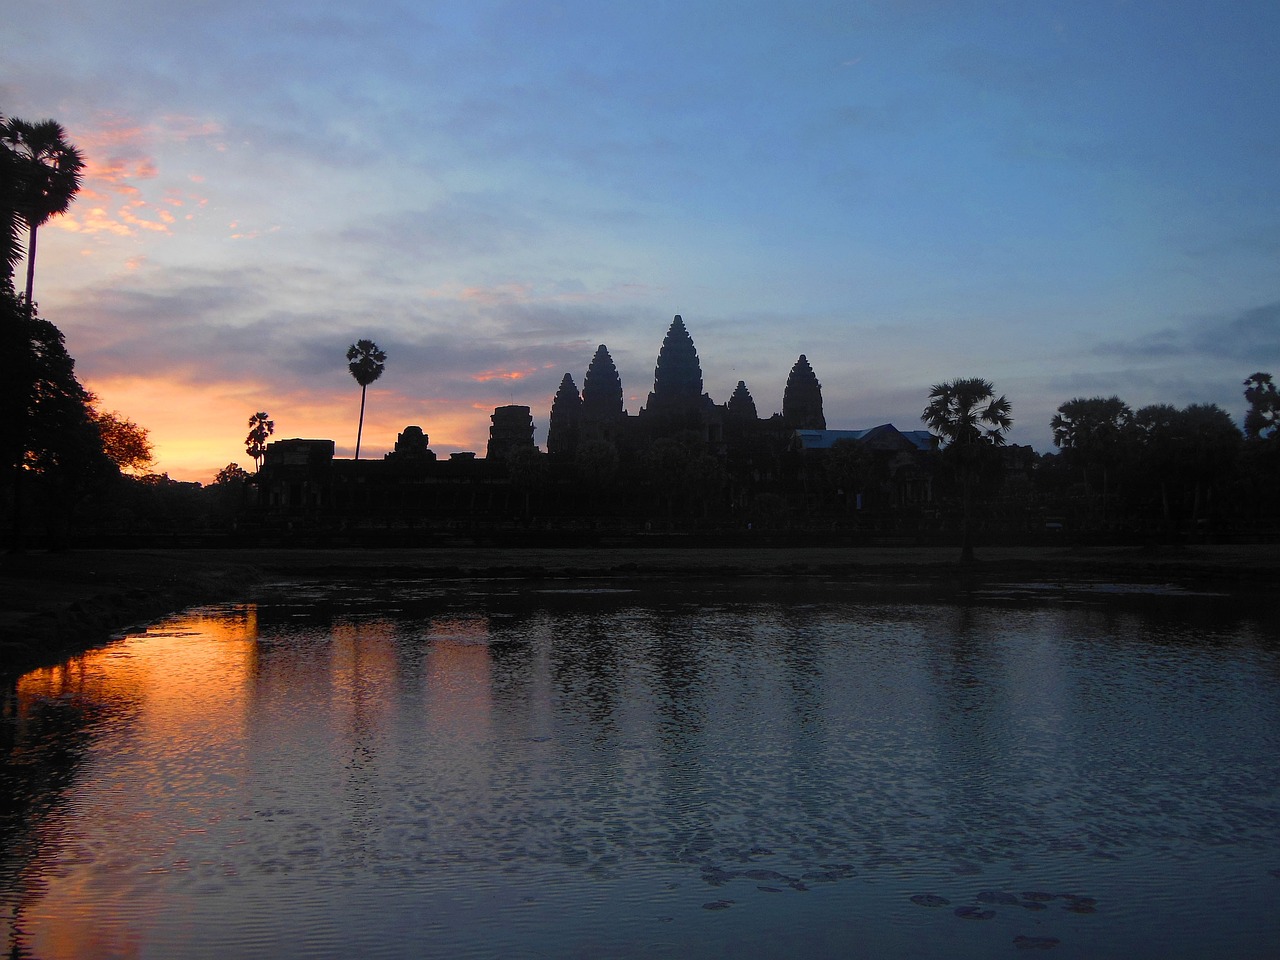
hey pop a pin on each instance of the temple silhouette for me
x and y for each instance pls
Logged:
(681, 460)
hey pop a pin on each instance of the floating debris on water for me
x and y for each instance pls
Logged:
(930, 900)
(764, 875)
(716, 876)
(997, 896)
(974, 913)
(1078, 904)
(718, 905)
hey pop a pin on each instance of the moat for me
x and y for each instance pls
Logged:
(754, 767)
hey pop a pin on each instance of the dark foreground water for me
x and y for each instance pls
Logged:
(749, 770)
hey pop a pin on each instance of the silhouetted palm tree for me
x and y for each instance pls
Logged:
(255, 444)
(1262, 419)
(1092, 432)
(366, 363)
(47, 168)
(10, 235)
(968, 419)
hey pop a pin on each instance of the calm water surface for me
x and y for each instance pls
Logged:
(751, 770)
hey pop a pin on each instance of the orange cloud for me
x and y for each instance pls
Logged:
(119, 166)
(499, 375)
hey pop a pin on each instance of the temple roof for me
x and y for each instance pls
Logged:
(884, 436)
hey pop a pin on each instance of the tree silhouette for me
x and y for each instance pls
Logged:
(1158, 430)
(46, 171)
(1092, 433)
(1196, 448)
(366, 363)
(1262, 440)
(255, 444)
(231, 473)
(1263, 416)
(50, 445)
(969, 421)
(127, 444)
(1213, 443)
(10, 234)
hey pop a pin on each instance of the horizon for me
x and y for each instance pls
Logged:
(1068, 200)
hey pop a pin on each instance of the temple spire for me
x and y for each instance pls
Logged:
(566, 418)
(802, 399)
(677, 376)
(741, 406)
(602, 389)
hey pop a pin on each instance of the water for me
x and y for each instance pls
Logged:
(736, 770)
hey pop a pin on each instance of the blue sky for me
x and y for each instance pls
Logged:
(1069, 199)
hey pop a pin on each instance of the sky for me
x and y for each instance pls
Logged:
(1068, 199)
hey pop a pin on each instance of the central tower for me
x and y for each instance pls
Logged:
(677, 378)
(677, 404)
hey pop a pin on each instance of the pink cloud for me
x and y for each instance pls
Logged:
(501, 294)
(120, 163)
(488, 375)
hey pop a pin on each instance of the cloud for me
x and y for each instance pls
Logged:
(462, 225)
(208, 326)
(1250, 336)
(122, 191)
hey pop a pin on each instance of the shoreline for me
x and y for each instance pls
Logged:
(53, 605)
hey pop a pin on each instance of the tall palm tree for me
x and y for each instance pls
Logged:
(48, 177)
(261, 426)
(969, 420)
(366, 363)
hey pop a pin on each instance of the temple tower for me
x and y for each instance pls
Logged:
(802, 399)
(411, 444)
(565, 428)
(677, 377)
(741, 406)
(511, 430)
(602, 389)
(677, 404)
(603, 413)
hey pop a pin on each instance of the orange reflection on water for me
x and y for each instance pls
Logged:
(180, 667)
(459, 677)
(174, 696)
(363, 674)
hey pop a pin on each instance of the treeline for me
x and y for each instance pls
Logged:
(1166, 466)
